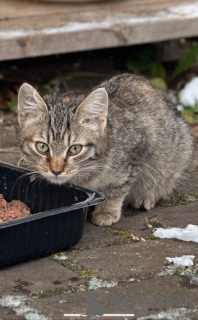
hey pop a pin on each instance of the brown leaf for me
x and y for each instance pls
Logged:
(135, 238)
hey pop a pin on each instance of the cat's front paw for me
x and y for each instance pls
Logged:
(104, 219)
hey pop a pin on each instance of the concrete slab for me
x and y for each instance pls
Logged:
(8, 314)
(144, 298)
(136, 221)
(95, 237)
(36, 277)
(134, 260)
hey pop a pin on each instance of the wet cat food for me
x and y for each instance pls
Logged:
(12, 210)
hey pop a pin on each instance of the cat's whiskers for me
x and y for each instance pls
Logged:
(96, 166)
(36, 166)
(87, 173)
(20, 160)
(82, 176)
(25, 175)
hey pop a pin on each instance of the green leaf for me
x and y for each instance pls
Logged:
(47, 88)
(187, 62)
(133, 66)
(12, 104)
(190, 115)
(157, 70)
(141, 59)
(159, 83)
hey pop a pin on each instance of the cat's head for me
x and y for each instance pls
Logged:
(63, 137)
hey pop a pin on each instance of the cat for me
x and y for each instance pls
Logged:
(125, 139)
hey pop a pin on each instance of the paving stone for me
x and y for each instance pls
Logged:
(136, 221)
(8, 314)
(141, 298)
(134, 260)
(95, 237)
(37, 277)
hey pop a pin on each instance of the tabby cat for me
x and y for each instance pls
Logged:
(124, 138)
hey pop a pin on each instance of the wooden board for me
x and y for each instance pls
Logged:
(33, 28)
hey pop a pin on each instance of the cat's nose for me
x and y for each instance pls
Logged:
(56, 173)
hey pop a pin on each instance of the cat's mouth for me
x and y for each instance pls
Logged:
(58, 179)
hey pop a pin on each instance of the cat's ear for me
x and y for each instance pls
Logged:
(93, 111)
(30, 103)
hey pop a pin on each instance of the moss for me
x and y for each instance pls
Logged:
(48, 293)
(152, 237)
(82, 271)
(179, 200)
(124, 237)
(83, 287)
(96, 283)
(178, 270)
(85, 272)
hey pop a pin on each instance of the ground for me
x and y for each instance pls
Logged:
(120, 269)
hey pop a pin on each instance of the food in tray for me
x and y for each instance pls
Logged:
(12, 210)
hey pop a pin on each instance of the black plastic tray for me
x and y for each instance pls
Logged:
(57, 220)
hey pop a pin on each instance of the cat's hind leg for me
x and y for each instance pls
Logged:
(143, 199)
(150, 199)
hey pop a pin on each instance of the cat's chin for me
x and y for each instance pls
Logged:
(57, 179)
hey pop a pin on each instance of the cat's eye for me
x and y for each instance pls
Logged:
(74, 150)
(42, 147)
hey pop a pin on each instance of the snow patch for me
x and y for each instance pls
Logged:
(12, 301)
(190, 233)
(60, 257)
(183, 261)
(188, 96)
(192, 275)
(131, 280)
(95, 283)
(172, 314)
(17, 303)
(190, 272)
(169, 271)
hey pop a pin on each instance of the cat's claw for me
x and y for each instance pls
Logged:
(148, 204)
(104, 219)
